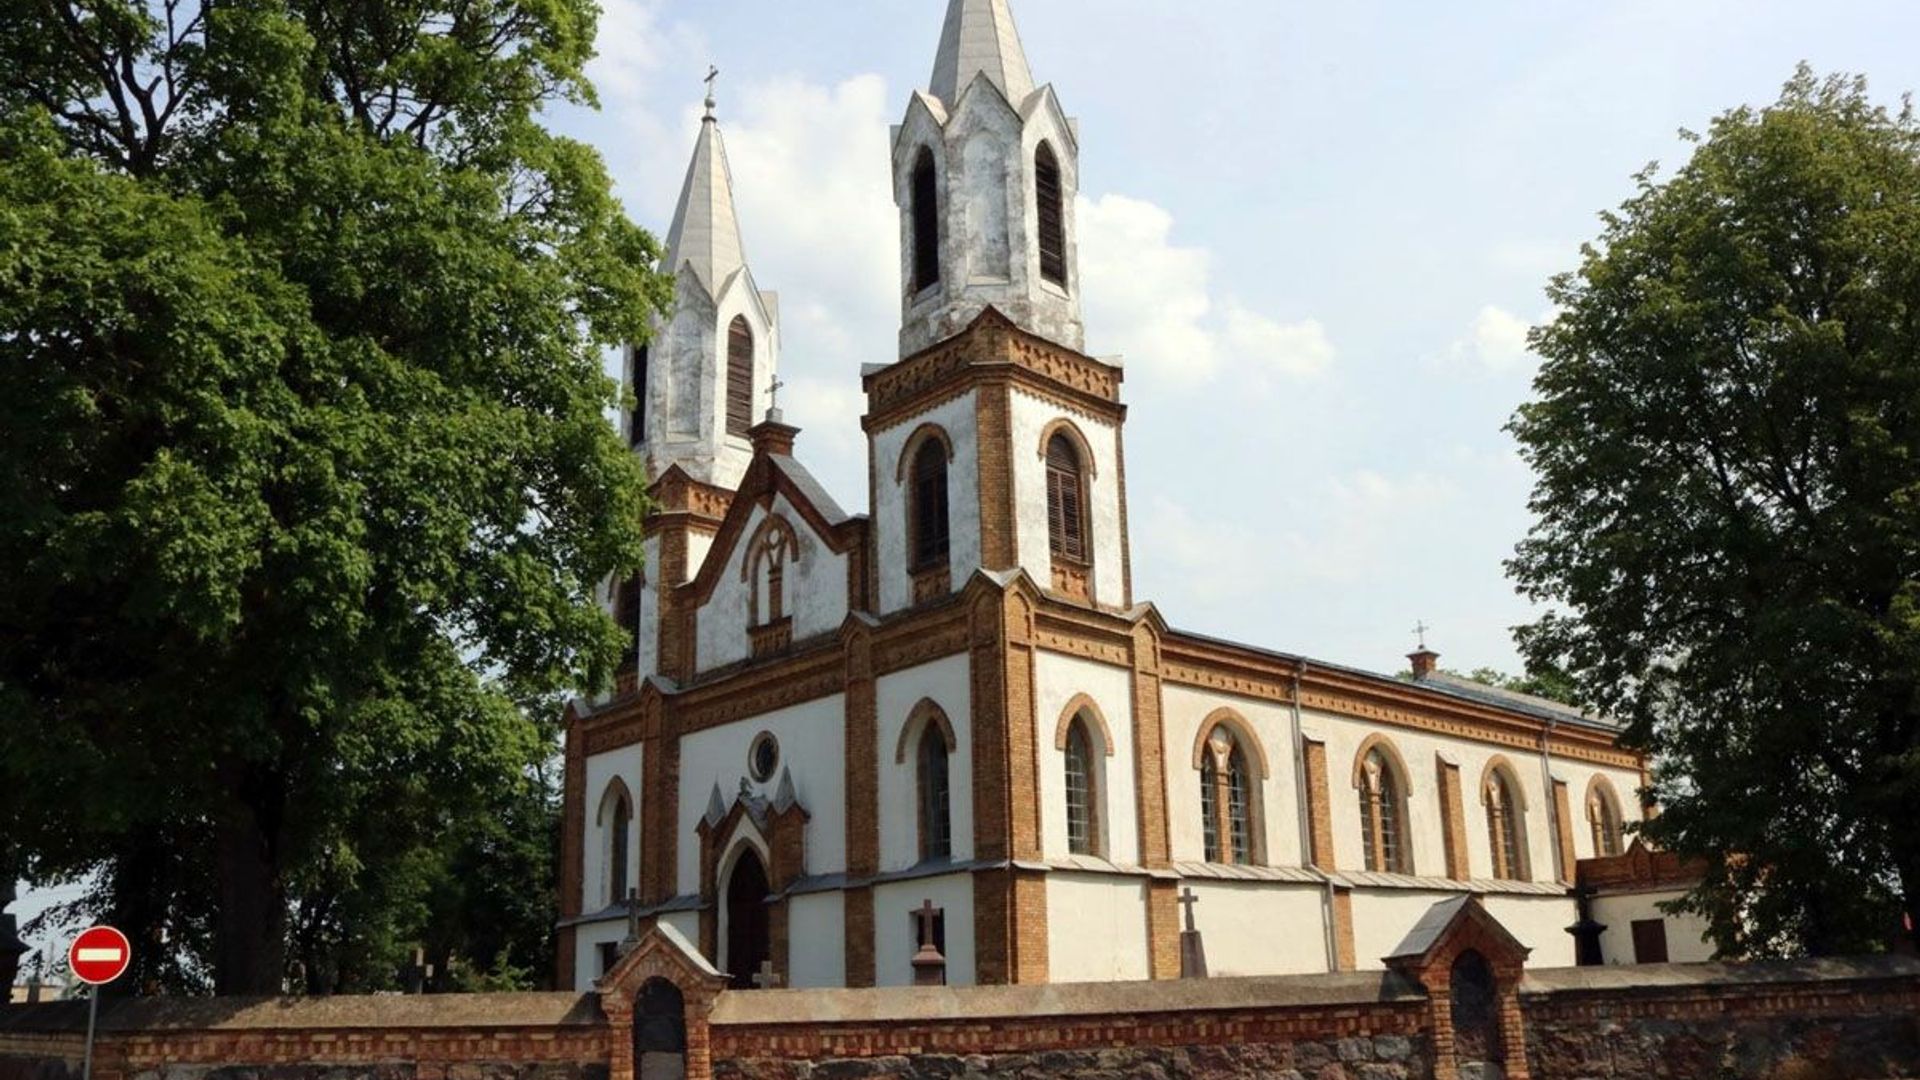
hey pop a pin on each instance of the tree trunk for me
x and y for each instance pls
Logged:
(250, 935)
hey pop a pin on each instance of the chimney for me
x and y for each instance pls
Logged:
(1424, 661)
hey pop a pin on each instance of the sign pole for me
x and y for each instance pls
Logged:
(93, 1016)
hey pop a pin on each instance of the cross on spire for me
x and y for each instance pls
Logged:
(713, 73)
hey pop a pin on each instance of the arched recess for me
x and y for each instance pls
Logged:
(615, 819)
(734, 935)
(1386, 827)
(771, 546)
(1096, 720)
(927, 712)
(912, 446)
(1089, 465)
(1050, 215)
(1608, 825)
(1242, 731)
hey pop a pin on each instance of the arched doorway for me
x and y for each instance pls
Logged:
(1475, 1014)
(748, 941)
(660, 1032)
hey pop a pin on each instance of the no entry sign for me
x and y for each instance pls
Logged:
(99, 955)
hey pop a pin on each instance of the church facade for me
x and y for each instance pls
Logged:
(828, 720)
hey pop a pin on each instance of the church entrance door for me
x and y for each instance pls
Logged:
(748, 939)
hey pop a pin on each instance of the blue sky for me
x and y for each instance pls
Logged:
(1315, 232)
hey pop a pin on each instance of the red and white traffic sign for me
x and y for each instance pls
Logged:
(99, 955)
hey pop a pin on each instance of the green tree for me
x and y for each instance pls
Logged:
(1725, 432)
(305, 479)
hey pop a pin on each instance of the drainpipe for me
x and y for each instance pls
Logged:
(1553, 805)
(1304, 816)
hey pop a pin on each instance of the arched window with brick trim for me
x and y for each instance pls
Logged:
(616, 826)
(1050, 213)
(1383, 814)
(1228, 794)
(929, 531)
(739, 376)
(1083, 790)
(1603, 815)
(1506, 824)
(1066, 499)
(926, 222)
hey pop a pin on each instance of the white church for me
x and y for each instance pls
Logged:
(830, 719)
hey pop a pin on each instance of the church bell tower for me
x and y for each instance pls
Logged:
(985, 170)
(701, 379)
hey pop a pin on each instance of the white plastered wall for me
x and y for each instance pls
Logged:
(812, 738)
(587, 939)
(891, 483)
(1057, 679)
(1686, 934)
(816, 940)
(1260, 928)
(895, 935)
(947, 683)
(1096, 928)
(1031, 415)
(1382, 918)
(624, 763)
(1182, 711)
(814, 591)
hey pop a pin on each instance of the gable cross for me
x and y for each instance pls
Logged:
(773, 399)
(1420, 630)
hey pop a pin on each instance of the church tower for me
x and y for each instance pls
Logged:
(995, 441)
(701, 381)
(985, 169)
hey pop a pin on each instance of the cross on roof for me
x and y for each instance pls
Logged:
(765, 979)
(1187, 900)
(1420, 630)
(773, 395)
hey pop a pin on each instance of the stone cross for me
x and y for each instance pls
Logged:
(633, 922)
(929, 966)
(1193, 951)
(765, 979)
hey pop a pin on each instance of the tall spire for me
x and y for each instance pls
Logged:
(980, 38)
(705, 232)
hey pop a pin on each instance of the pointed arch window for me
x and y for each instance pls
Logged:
(616, 821)
(929, 521)
(739, 376)
(1050, 207)
(1066, 500)
(1083, 791)
(1227, 798)
(926, 222)
(1603, 814)
(637, 422)
(936, 816)
(1506, 825)
(1383, 815)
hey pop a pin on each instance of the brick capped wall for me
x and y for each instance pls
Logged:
(1823, 1020)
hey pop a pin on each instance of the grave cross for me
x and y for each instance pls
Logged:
(929, 967)
(926, 913)
(1187, 900)
(765, 979)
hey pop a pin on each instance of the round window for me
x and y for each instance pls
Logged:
(764, 756)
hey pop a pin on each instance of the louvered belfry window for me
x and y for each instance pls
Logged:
(926, 222)
(739, 376)
(930, 505)
(1066, 500)
(1050, 205)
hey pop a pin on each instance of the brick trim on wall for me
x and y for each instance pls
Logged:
(1563, 831)
(1319, 809)
(1453, 824)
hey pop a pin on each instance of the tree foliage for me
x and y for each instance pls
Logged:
(305, 481)
(1725, 432)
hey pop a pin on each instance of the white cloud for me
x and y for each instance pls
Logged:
(632, 46)
(1157, 299)
(1496, 342)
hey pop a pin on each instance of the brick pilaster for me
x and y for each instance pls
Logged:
(862, 743)
(659, 816)
(993, 413)
(857, 916)
(1453, 819)
(1163, 928)
(1149, 779)
(1319, 809)
(1343, 929)
(1563, 831)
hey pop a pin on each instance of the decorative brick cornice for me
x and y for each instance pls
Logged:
(992, 347)
(1639, 869)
